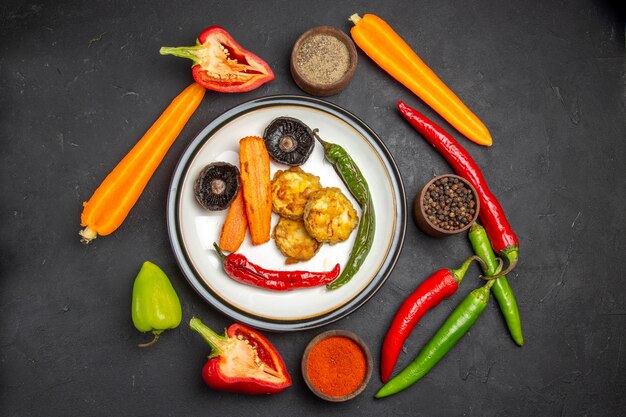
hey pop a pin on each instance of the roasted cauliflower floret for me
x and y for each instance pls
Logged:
(291, 190)
(329, 216)
(294, 241)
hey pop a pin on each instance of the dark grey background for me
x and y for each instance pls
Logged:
(82, 81)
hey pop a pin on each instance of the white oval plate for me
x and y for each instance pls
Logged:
(193, 229)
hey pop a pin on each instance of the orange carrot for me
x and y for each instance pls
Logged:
(235, 225)
(385, 47)
(115, 197)
(254, 162)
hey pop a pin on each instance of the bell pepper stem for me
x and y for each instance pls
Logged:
(217, 342)
(157, 334)
(459, 273)
(188, 52)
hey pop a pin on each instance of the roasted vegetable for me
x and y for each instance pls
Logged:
(255, 177)
(239, 268)
(217, 185)
(289, 141)
(291, 190)
(294, 241)
(235, 225)
(353, 178)
(329, 216)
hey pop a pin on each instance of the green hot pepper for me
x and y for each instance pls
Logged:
(155, 305)
(352, 177)
(455, 326)
(501, 289)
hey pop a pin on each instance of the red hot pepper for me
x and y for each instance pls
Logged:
(501, 235)
(221, 64)
(239, 268)
(440, 285)
(242, 360)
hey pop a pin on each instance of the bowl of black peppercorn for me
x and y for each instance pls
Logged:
(446, 206)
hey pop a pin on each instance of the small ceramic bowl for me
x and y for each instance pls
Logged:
(368, 361)
(421, 218)
(315, 88)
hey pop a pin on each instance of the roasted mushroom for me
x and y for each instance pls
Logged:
(217, 185)
(289, 141)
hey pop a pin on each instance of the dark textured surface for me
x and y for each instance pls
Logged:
(82, 81)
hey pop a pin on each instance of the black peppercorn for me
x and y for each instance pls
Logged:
(449, 204)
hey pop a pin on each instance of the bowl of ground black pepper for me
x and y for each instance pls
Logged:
(323, 61)
(446, 206)
(337, 365)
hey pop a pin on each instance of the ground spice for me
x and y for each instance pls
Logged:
(323, 59)
(337, 366)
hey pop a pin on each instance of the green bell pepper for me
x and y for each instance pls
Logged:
(155, 304)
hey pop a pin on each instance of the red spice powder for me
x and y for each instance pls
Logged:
(336, 366)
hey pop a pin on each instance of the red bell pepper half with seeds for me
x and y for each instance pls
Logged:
(221, 64)
(242, 360)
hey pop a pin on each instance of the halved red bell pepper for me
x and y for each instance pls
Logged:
(221, 64)
(242, 360)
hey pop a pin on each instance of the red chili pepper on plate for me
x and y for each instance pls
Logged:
(221, 64)
(501, 235)
(242, 360)
(440, 285)
(239, 268)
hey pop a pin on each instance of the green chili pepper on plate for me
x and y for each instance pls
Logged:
(155, 304)
(354, 180)
(455, 326)
(501, 289)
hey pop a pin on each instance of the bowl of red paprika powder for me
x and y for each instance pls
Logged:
(337, 365)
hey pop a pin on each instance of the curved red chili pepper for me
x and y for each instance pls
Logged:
(440, 285)
(429, 294)
(239, 268)
(283, 280)
(501, 235)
